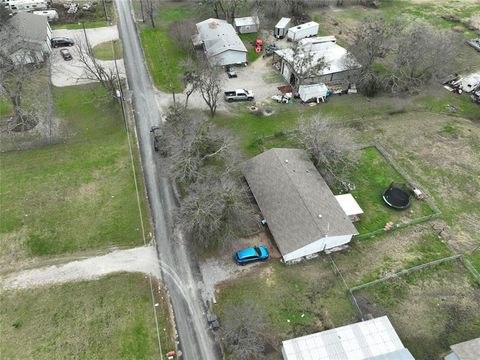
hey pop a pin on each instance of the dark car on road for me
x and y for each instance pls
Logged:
(156, 134)
(245, 256)
(61, 41)
(66, 54)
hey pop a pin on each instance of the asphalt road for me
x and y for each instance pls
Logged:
(179, 272)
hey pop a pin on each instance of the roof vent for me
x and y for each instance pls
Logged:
(319, 216)
(286, 161)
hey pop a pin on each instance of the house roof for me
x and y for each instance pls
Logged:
(349, 204)
(30, 27)
(246, 21)
(360, 341)
(467, 350)
(334, 55)
(219, 36)
(297, 204)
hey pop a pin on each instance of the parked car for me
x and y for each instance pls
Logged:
(61, 41)
(156, 133)
(252, 254)
(238, 95)
(66, 54)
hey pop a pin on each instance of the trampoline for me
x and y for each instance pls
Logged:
(397, 196)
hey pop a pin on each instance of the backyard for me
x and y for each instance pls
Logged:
(430, 309)
(75, 195)
(109, 318)
(93, 18)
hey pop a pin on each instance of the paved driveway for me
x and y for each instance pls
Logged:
(67, 73)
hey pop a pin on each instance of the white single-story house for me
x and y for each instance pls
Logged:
(467, 350)
(373, 339)
(31, 35)
(220, 42)
(299, 208)
(350, 206)
(247, 25)
(339, 66)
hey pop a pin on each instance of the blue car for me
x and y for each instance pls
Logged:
(245, 256)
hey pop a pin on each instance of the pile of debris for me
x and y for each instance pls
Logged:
(468, 83)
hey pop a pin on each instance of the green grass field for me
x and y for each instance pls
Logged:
(75, 195)
(109, 318)
(371, 178)
(163, 56)
(104, 50)
(298, 299)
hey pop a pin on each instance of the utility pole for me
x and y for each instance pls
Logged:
(105, 11)
(141, 8)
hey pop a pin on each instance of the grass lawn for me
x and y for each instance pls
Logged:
(104, 50)
(76, 195)
(5, 107)
(430, 309)
(371, 178)
(109, 318)
(248, 40)
(298, 299)
(162, 54)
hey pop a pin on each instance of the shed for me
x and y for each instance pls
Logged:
(467, 350)
(246, 25)
(469, 82)
(282, 27)
(350, 206)
(315, 92)
(300, 209)
(373, 339)
(221, 43)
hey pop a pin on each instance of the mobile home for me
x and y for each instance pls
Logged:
(25, 5)
(302, 31)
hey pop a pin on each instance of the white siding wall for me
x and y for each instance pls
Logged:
(229, 57)
(317, 246)
(247, 29)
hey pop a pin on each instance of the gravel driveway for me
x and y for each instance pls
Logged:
(67, 73)
(142, 259)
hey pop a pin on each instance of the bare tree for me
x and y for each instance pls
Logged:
(92, 67)
(373, 41)
(19, 67)
(331, 148)
(181, 31)
(424, 53)
(245, 331)
(210, 88)
(226, 9)
(306, 64)
(191, 79)
(150, 7)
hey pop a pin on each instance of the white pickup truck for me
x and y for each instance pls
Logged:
(239, 95)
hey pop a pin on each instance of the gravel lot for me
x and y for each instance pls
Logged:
(142, 259)
(67, 73)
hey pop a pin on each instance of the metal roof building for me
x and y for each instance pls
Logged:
(246, 25)
(221, 43)
(300, 209)
(467, 350)
(374, 339)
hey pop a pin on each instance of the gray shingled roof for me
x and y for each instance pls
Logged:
(219, 36)
(291, 195)
(467, 350)
(30, 27)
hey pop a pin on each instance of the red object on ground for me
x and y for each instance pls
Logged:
(258, 49)
(171, 354)
(258, 42)
(285, 89)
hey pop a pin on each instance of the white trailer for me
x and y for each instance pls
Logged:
(51, 15)
(26, 5)
(316, 92)
(302, 31)
(282, 27)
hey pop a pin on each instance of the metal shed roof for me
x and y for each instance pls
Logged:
(359, 341)
(467, 350)
(283, 22)
(298, 205)
(246, 21)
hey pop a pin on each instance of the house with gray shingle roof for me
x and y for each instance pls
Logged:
(300, 210)
(29, 37)
(221, 43)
